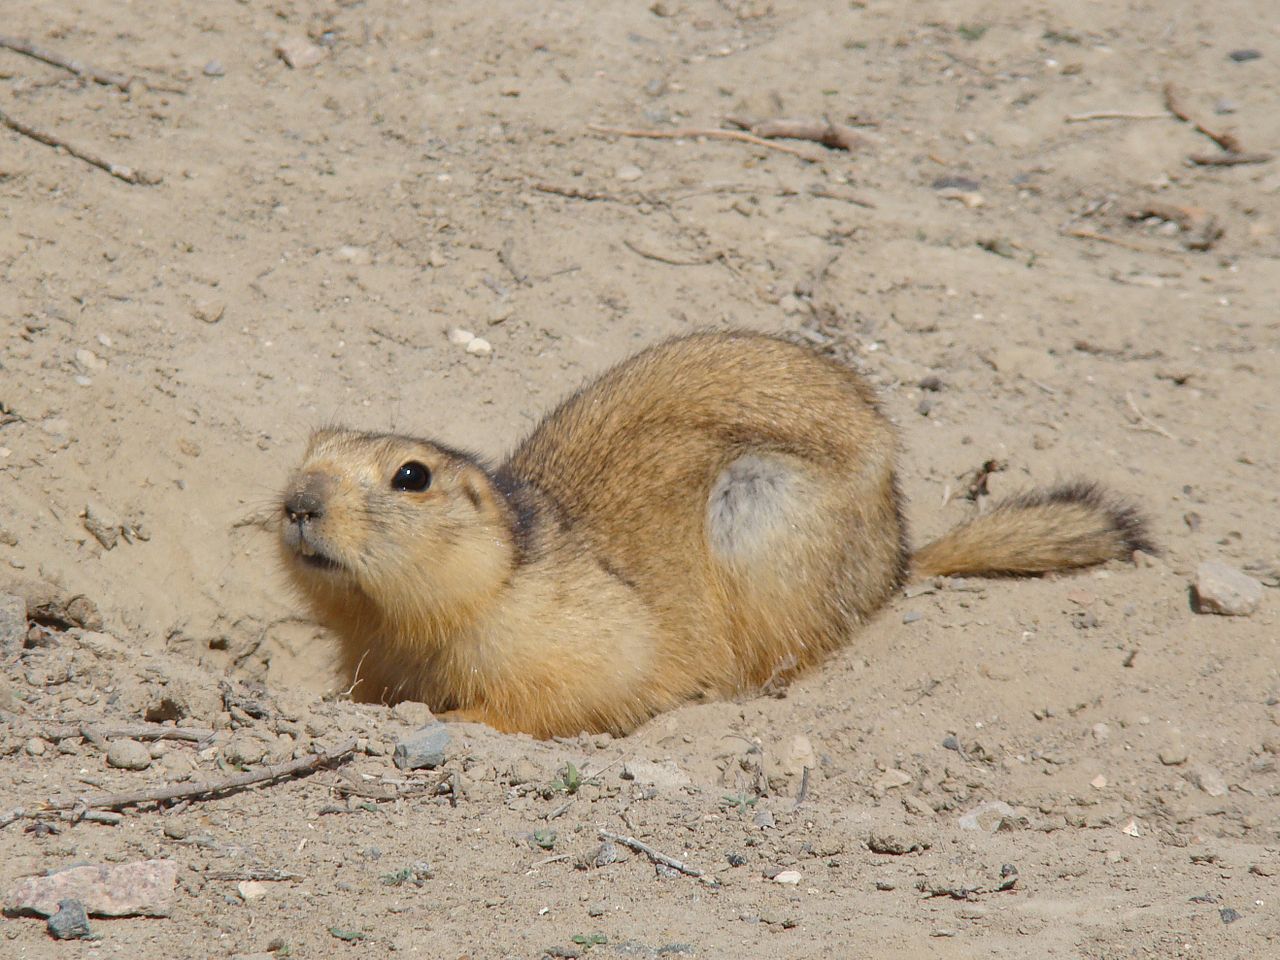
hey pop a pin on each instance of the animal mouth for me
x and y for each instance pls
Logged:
(307, 553)
(319, 561)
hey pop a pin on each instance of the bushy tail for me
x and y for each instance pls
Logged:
(1074, 525)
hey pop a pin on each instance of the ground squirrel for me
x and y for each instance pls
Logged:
(714, 513)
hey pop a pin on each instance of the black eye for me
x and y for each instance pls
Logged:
(412, 477)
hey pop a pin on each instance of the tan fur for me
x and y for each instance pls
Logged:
(716, 512)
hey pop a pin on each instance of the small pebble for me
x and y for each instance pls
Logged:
(891, 779)
(787, 876)
(35, 747)
(128, 755)
(1173, 754)
(1222, 589)
(422, 748)
(629, 173)
(1243, 56)
(479, 347)
(214, 68)
(70, 922)
(1209, 780)
(208, 311)
(299, 52)
(954, 182)
(244, 751)
(356, 255)
(607, 854)
(1228, 915)
(987, 817)
(894, 844)
(911, 616)
(460, 337)
(89, 360)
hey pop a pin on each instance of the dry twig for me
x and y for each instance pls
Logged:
(1227, 159)
(573, 193)
(690, 133)
(87, 71)
(657, 856)
(117, 170)
(837, 136)
(206, 788)
(827, 193)
(1113, 115)
(108, 78)
(1084, 233)
(1145, 422)
(664, 258)
(1234, 154)
(506, 256)
(139, 731)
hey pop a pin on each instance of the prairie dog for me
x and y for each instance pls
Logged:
(716, 512)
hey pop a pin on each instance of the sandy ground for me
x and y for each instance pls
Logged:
(318, 229)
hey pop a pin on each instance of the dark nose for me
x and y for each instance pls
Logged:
(308, 497)
(302, 505)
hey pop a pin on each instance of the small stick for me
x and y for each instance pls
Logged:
(837, 136)
(207, 788)
(117, 170)
(142, 731)
(689, 133)
(1113, 115)
(270, 874)
(573, 193)
(656, 856)
(107, 78)
(1144, 420)
(663, 258)
(1083, 233)
(1231, 159)
(1227, 141)
(506, 256)
(827, 193)
(803, 793)
(543, 862)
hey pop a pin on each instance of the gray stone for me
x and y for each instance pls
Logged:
(987, 817)
(128, 755)
(13, 625)
(423, 748)
(70, 922)
(103, 524)
(1225, 590)
(1209, 780)
(244, 751)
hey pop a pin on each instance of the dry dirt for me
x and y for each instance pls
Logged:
(315, 233)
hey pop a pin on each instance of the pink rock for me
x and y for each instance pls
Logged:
(144, 888)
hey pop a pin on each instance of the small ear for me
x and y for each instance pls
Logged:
(476, 488)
